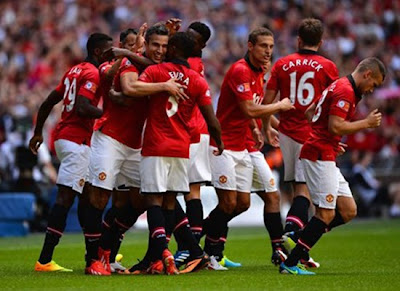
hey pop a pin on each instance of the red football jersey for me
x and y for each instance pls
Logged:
(197, 124)
(302, 77)
(339, 99)
(242, 82)
(81, 80)
(167, 132)
(124, 123)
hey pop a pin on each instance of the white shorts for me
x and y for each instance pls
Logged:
(232, 170)
(74, 165)
(199, 161)
(325, 183)
(263, 180)
(113, 164)
(163, 174)
(294, 170)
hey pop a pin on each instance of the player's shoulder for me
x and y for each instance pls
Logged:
(240, 67)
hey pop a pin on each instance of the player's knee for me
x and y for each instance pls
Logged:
(65, 196)
(242, 207)
(351, 213)
(228, 205)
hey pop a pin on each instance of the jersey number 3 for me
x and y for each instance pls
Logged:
(301, 87)
(69, 94)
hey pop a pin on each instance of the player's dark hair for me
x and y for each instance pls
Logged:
(311, 31)
(158, 29)
(123, 35)
(257, 32)
(202, 29)
(96, 40)
(183, 42)
(373, 64)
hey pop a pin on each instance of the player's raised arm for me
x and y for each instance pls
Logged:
(44, 111)
(339, 126)
(252, 110)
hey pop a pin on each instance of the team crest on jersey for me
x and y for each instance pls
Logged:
(245, 87)
(90, 86)
(272, 182)
(329, 198)
(81, 182)
(343, 105)
(102, 176)
(223, 179)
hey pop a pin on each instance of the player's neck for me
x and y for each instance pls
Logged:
(254, 64)
(93, 61)
(309, 48)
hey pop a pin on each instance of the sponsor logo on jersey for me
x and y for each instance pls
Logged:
(329, 198)
(245, 87)
(223, 179)
(272, 182)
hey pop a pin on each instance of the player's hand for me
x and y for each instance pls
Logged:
(272, 137)
(139, 45)
(286, 105)
(176, 89)
(220, 149)
(117, 97)
(35, 143)
(374, 119)
(258, 138)
(342, 148)
(173, 25)
(266, 66)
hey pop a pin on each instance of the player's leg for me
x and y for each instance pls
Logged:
(71, 179)
(323, 182)
(297, 216)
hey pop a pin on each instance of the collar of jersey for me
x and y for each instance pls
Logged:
(307, 52)
(180, 62)
(353, 84)
(247, 59)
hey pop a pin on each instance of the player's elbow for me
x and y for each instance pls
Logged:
(335, 129)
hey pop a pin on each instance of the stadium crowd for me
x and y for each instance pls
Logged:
(40, 39)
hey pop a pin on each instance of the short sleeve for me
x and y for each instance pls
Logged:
(204, 97)
(148, 75)
(341, 103)
(240, 83)
(127, 66)
(61, 87)
(89, 84)
(103, 69)
(333, 74)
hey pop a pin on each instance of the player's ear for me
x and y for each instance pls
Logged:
(250, 45)
(320, 43)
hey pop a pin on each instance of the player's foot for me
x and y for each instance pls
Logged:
(97, 269)
(278, 257)
(181, 258)
(295, 270)
(215, 265)
(289, 241)
(50, 267)
(225, 262)
(169, 263)
(156, 268)
(310, 263)
(116, 267)
(138, 269)
(196, 264)
(104, 257)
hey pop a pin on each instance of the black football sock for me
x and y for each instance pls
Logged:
(218, 223)
(337, 221)
(309, 237)
(182, 231)
(180, 219)
(194, 212)
(297, 216)
(156, 222)
(273, 224)
(92, 219)
(169, 216)
(55, 228)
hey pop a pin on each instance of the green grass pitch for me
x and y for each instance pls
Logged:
(364, 255)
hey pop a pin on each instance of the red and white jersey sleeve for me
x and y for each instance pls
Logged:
(301, 77)
(81, 80)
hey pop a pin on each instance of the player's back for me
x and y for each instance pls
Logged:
(167, 132)
(80, 80)
(302, 77)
